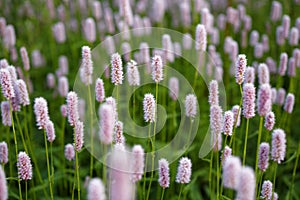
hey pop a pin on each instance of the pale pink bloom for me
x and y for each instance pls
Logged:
(274, 95)
(145, 56)
(6, 84)
(164, 174)
(24, 167)
(280, 96)
(86, 68)
(3, 63)
(110, 45)
(275, 196)
(168, 48)
(138, 162)
(231, 171)
(289, 103)
(63, 66)
(236, 115)
(278, 145)
(51, 8)
(3, 153)
(216, 125)
(22, 92)
(3, 185)
(173, 88)
(69, 152)
(63, 86)
(133, 74)
(263, 156)
(265, 42)
(185, 13)
(59, 32)
(247, 23)
(218, 74)
(126, 51)
(96, 190)
(296, 55)
(191, 105)
(126, 12)
(263, 74)
(6, 114)
(2, 26)
(217, 141)
(269, 121)
(292, 67)
(271, 65)
(213, 98)
(294, 37)
(157, 68)
(64, 110)
(78, 135)
(37, 58)
(266, 190)
(227, 152)
(254, 37)
(149, 108)
(50, 80)
(99, 90)
(9, 39)
(248, 100)
(246, 184)
(276, 11)
(264, 99)
(116, 69)
(200, 37)
(41, 112)
(118, 133)
(106, 123)
(258, 50)
(280, 35)
(158, 10)
(228, 123)
(89, 29)
(72, 108)
(283, 64)
(184, 171)
(187, 41)
(249, 75)
(120, 184)
(25, 59)
(50, 131)
(221, 21)
(241, 64)
(286, 21)
(97, 10)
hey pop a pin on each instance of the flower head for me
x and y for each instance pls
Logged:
(78, 135)
(157, 68)
(184, 171)
(174, 88)
(164, 174)
(228, 122)
(69, 152)
(50, 131)
(117, 69)
(5, 113)
(3, 153)
(149, 108)
(236, 115)
(99, 90)
(137, 162)
(22, 92)
(41, 112)
(86, 68)
(240, 65)
(201, 40)
(246, 184)
(133, 74)
(231, 170)
(3, 185)
(263, 74)
(24, 167)
(213, 93)
(96, 190)
(72, 108)
(191, 105)
(106, 123)
(118, 133)
(6, 84)
(266, 190)
(289, 103)
(264, 100)
(269, 120)
(248, 100)
(263, 156)
(278, 145)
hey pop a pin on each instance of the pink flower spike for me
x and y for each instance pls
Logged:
(117, 69)
(191, 105)
(133, 74)
(263, 74)
(241, 64)
(278, 145)
(213, 93)
(118, 133)
(69, 152)
(269, 121)
(106, 123)
(86, 68)
(249, 75)
(137, 162)
(246, 184)
(289, 103)
(263, 156)
(50, 131)
(63, 86)
(164, 174)
(280, 96)
(227, 152)
(228, 123)
(149, 108)
(236, 115)
(96, 190)
(41, 112)
(72, 108)
(3, 153)
(266, 190)
(283, 64)
(157, 68)
(173, 88)
(264, 99)
(6, 84)
(24, 167)
(231, 170)
(25, 59)
(184, 171)
(23, 93)
(200, 37)
(64, 110)
(78, 135)
(6, 114)
(99, 90)
(248, 100)
(3, 185)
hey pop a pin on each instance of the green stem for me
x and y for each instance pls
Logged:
(210, 174)
(48, 165)
(162, 194)
(16, 143)
(274, 180)
(180, 191)
(146, 164)
(294, 173)
(26, 190)
(245, 144)
(91, 132)
(258, 142)
(104, 164)
(260, 176)
(77, 173)
(52, 168)
(218, 175)
(21, 132)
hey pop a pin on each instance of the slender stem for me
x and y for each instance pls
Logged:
(245, 144)
(21, 132)
(258, 142)
(48, 165)
(294, 173)
(52, 168)
(260, 175)
(180, 191)
(104, 164)
(162, 194)
(152, 169)
(218, 175)
(91, 132)
(146, 164)
(274, 180)
(26, 190)
(77, 173)
(16, 143)
(210, 174)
